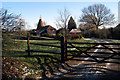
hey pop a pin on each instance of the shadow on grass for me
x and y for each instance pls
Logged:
(53, 69)
(13, 53)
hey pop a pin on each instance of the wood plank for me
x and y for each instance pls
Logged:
(94, 43)
(93, 48)
(96, 61)
(62, 49)
(28, 43)
(99, 53)
(45, 45)
(85, 56)
(41, 38)
(41, 51)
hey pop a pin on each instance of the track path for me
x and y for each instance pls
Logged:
(85, 70)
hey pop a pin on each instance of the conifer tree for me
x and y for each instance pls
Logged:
(71, 24)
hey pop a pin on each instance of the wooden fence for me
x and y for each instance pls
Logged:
(107, 52)
(64, 45)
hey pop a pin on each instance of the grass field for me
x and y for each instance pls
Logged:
(116, 41)
(18, 47)
(13, 49)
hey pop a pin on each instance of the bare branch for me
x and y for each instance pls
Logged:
(61, 22)
(98, 15)
(9, 21)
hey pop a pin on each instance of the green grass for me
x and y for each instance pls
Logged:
(116, 41)
(17, 48)
(14, 48)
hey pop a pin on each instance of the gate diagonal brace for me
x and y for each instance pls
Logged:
(90, 55)
(112, 55)
(86, 51)
(80, 51)
(76, 48)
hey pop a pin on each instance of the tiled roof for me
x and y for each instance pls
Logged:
(75, 30)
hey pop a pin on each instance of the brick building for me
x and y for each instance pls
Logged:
(42, 29)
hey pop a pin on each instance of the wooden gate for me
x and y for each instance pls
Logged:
(91, 51)
(96, 52)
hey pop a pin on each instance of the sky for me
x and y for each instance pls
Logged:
(31, 11)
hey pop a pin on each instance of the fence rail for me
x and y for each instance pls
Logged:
(94, 47)
(41, 51)
(94, 43)
(65, 51)
(46, 45)
(49, 45)
(96, 55)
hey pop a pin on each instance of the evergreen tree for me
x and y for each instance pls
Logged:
(71, 24)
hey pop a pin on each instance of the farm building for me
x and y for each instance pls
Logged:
(43, 29)
(47, 29)
(75, 32)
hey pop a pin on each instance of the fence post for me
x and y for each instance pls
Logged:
(62, 49)
(65, 49)
(28, 43)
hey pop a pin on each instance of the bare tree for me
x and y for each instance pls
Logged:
(44, 23)
(62, 20)
(19, 24)
(98, 15)
(9, 21)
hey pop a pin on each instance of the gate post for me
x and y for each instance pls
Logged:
(62, 49)
(28, 43)
(65, 49)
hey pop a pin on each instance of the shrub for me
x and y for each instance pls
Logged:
(48, 35)
(58, 36)
(100, 33)
(116, 33)
(69, 36)
(77, 36)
